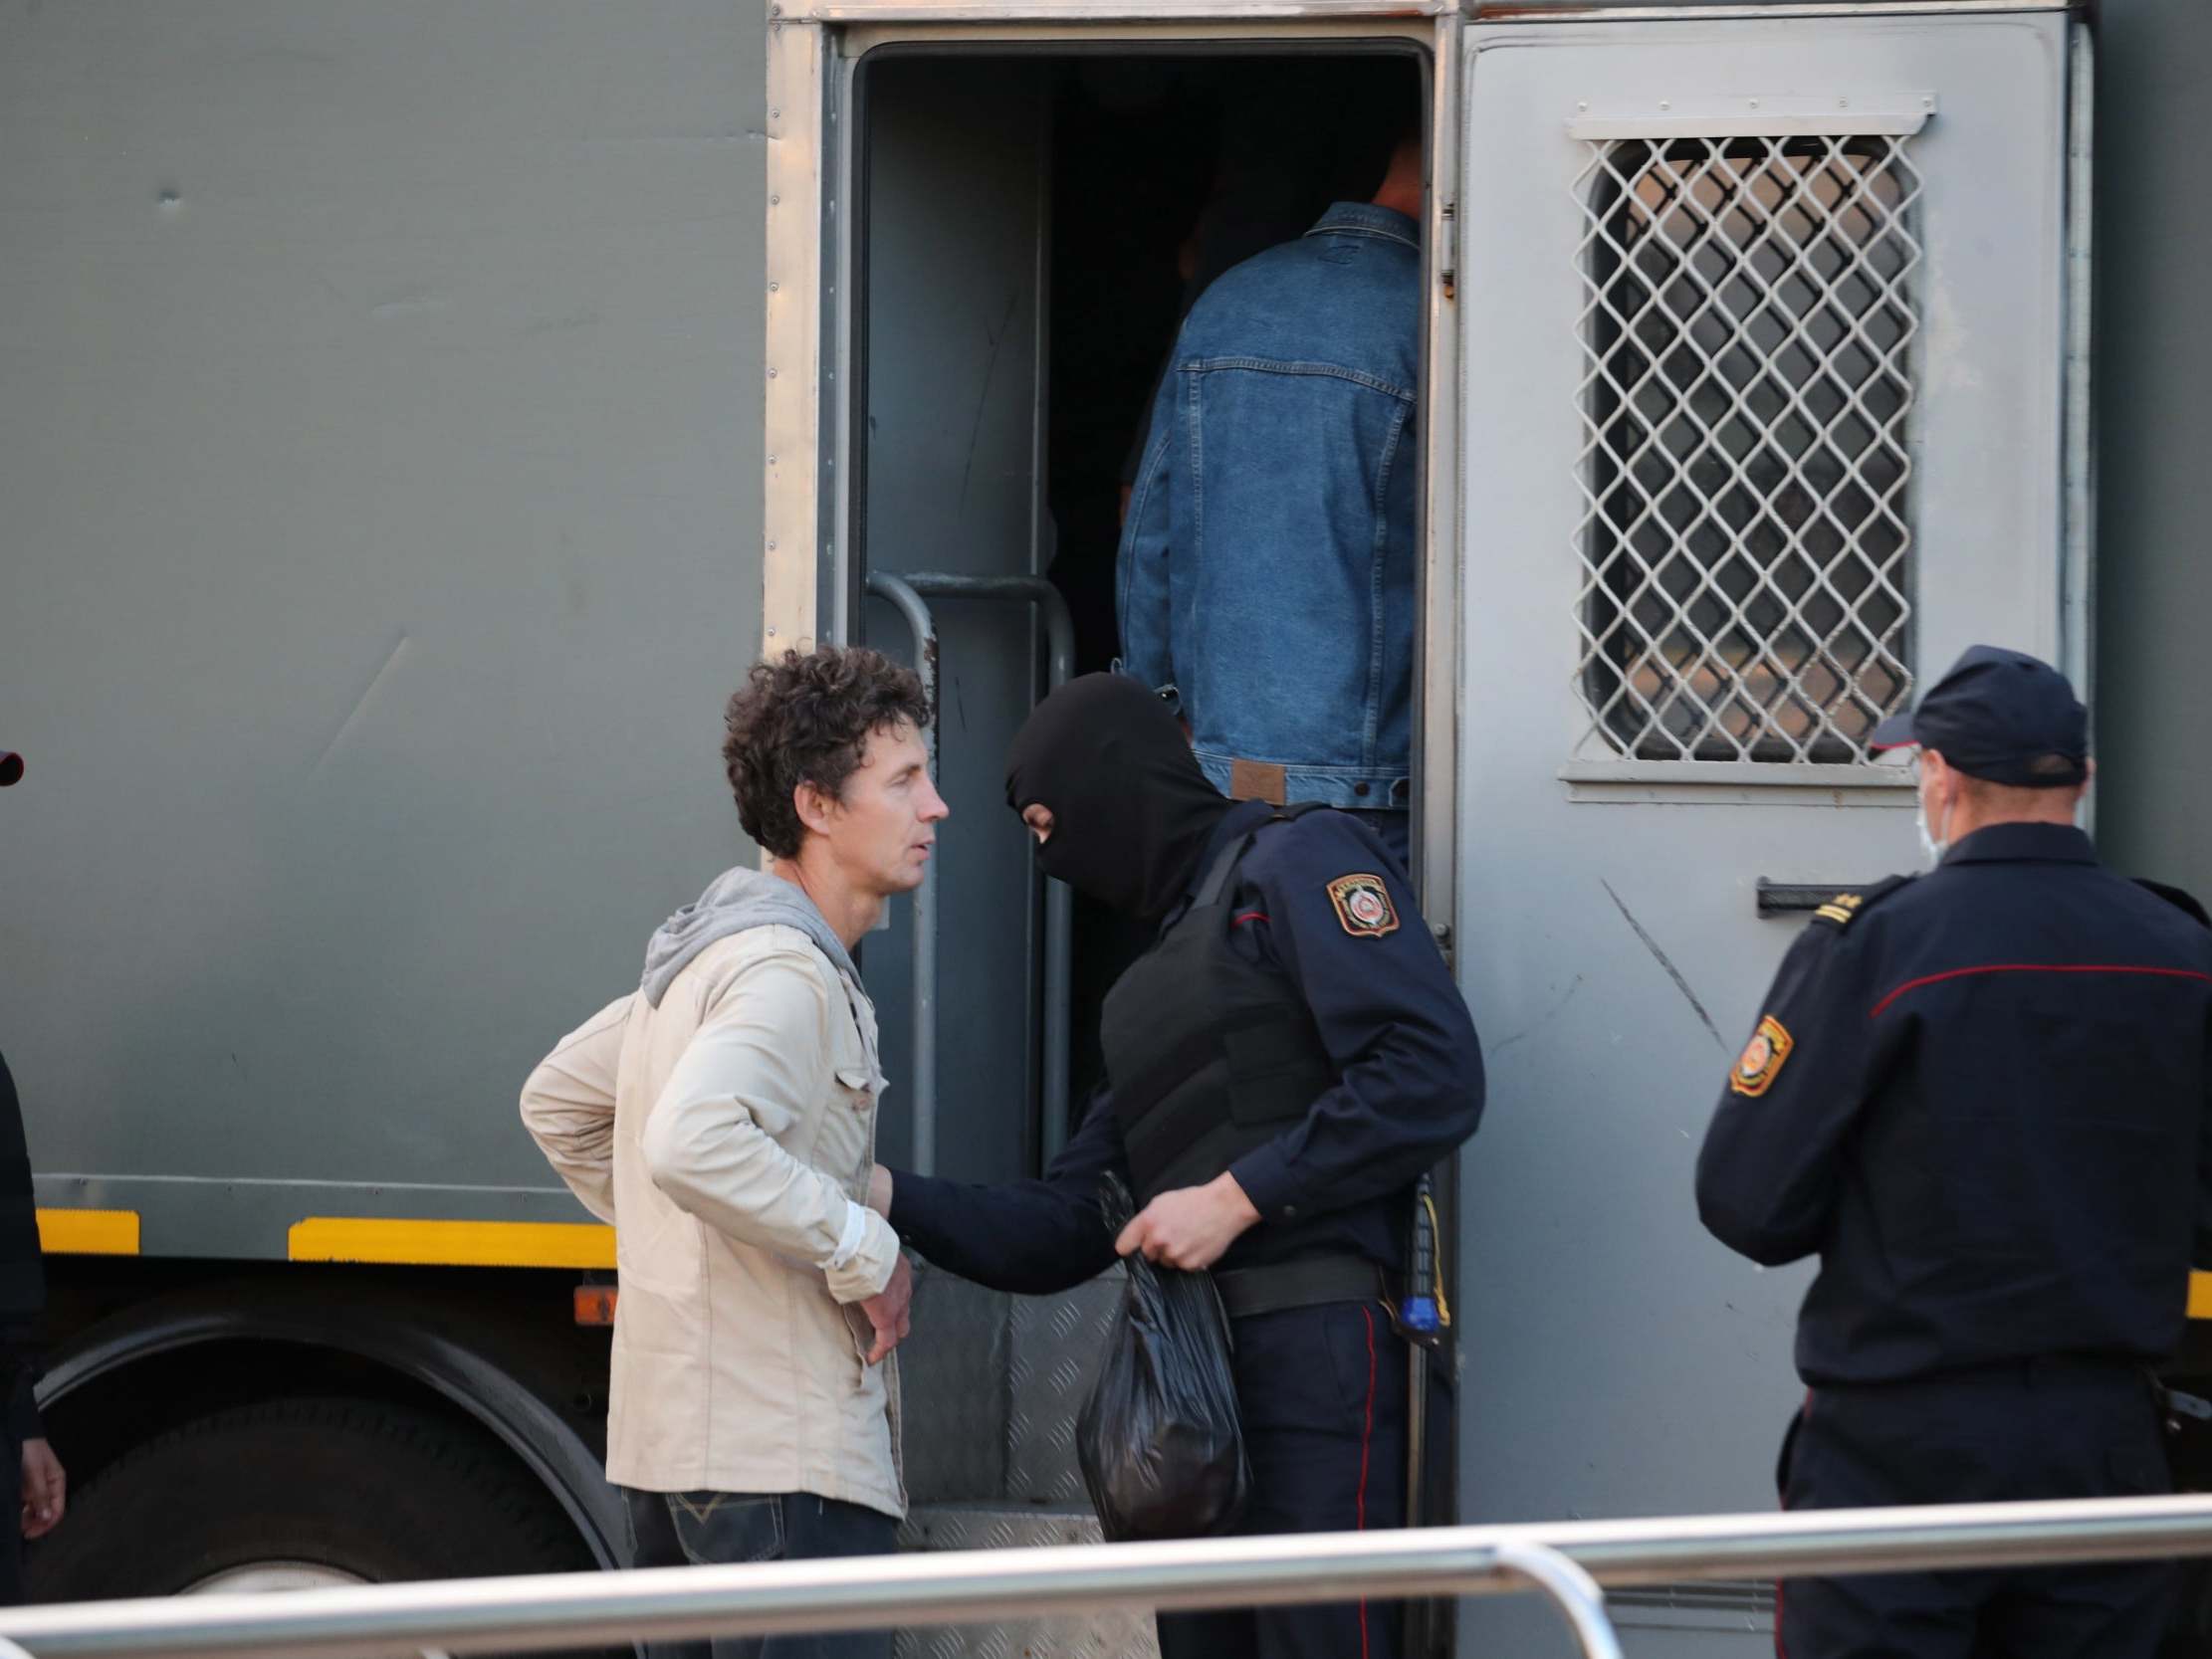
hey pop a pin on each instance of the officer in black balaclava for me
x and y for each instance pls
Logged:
(1131, 811)
(1283, 1063)
(30, 1478)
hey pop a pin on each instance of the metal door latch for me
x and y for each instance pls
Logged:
(1798, 898)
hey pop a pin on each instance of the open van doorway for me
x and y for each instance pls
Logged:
(1029, 228)
(1032, 230)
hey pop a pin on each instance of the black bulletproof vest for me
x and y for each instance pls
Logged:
(1209, 1055)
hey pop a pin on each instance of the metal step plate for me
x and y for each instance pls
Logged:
(958, 1526)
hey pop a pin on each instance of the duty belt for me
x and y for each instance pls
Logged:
(1307, 1283)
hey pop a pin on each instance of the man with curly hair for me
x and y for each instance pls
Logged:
(722, 1117)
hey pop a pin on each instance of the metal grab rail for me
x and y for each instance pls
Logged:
(1572, 1591)
(906, 592)
(590, 1610)
(923, 944)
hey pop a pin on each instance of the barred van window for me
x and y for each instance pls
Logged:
(1747, 330)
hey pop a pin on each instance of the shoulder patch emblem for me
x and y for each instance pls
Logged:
(1762, 1057)
(1363, 905)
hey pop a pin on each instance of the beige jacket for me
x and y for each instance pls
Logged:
(728, 1135)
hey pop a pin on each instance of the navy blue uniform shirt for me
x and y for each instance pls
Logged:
(1409, 1088)
(1981, 1098)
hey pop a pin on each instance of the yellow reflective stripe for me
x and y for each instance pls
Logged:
(346, 1238)
(2200, 1296)
(89, 1232)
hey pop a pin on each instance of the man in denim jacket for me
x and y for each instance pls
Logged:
(1267, 569)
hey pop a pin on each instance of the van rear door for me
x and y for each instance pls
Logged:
(1762, 351)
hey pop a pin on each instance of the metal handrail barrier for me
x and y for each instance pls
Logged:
(906, 593)
(586, 1610)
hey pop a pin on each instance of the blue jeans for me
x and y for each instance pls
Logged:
(1267, 567)
(709, 1529)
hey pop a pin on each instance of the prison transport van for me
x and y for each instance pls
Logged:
(417, 417)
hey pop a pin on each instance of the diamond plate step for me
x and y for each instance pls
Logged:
(964, 1527)
(1052, 1353)
(991, 1387)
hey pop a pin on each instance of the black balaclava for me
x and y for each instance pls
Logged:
(1131, 811)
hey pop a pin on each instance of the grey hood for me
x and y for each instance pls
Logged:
(738, 900)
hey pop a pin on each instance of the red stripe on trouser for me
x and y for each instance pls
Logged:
(1367, 1440)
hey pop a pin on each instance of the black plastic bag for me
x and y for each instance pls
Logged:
(1159, 1442)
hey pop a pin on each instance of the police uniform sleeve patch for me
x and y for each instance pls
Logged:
(1363, 905)
(1762, 1057)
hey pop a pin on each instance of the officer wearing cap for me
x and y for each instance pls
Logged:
(32, 1481)
(1284, 1064)
(1979, 1096)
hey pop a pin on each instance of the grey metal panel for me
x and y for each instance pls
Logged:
(1055, 1348)
(1117, 1635)
(994, 1527)
(2154, 429)
(1618, 1360)
(383, 387)
(953, 1392)
(994, 1383)
(953, 240)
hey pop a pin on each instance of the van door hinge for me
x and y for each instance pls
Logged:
(1448, 250)
(1442, 934)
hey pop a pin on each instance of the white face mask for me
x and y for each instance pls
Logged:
(1933, 845)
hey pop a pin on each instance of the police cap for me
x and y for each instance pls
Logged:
(2002, 715)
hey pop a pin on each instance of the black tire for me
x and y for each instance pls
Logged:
(377, 1490)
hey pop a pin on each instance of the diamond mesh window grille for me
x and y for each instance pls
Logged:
(1747, 333)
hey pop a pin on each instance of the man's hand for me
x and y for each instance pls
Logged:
(45, 1489)
(887, 1311)
(1190, 1226)
(879, 1191)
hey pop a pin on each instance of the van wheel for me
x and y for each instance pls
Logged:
(298, 1492)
